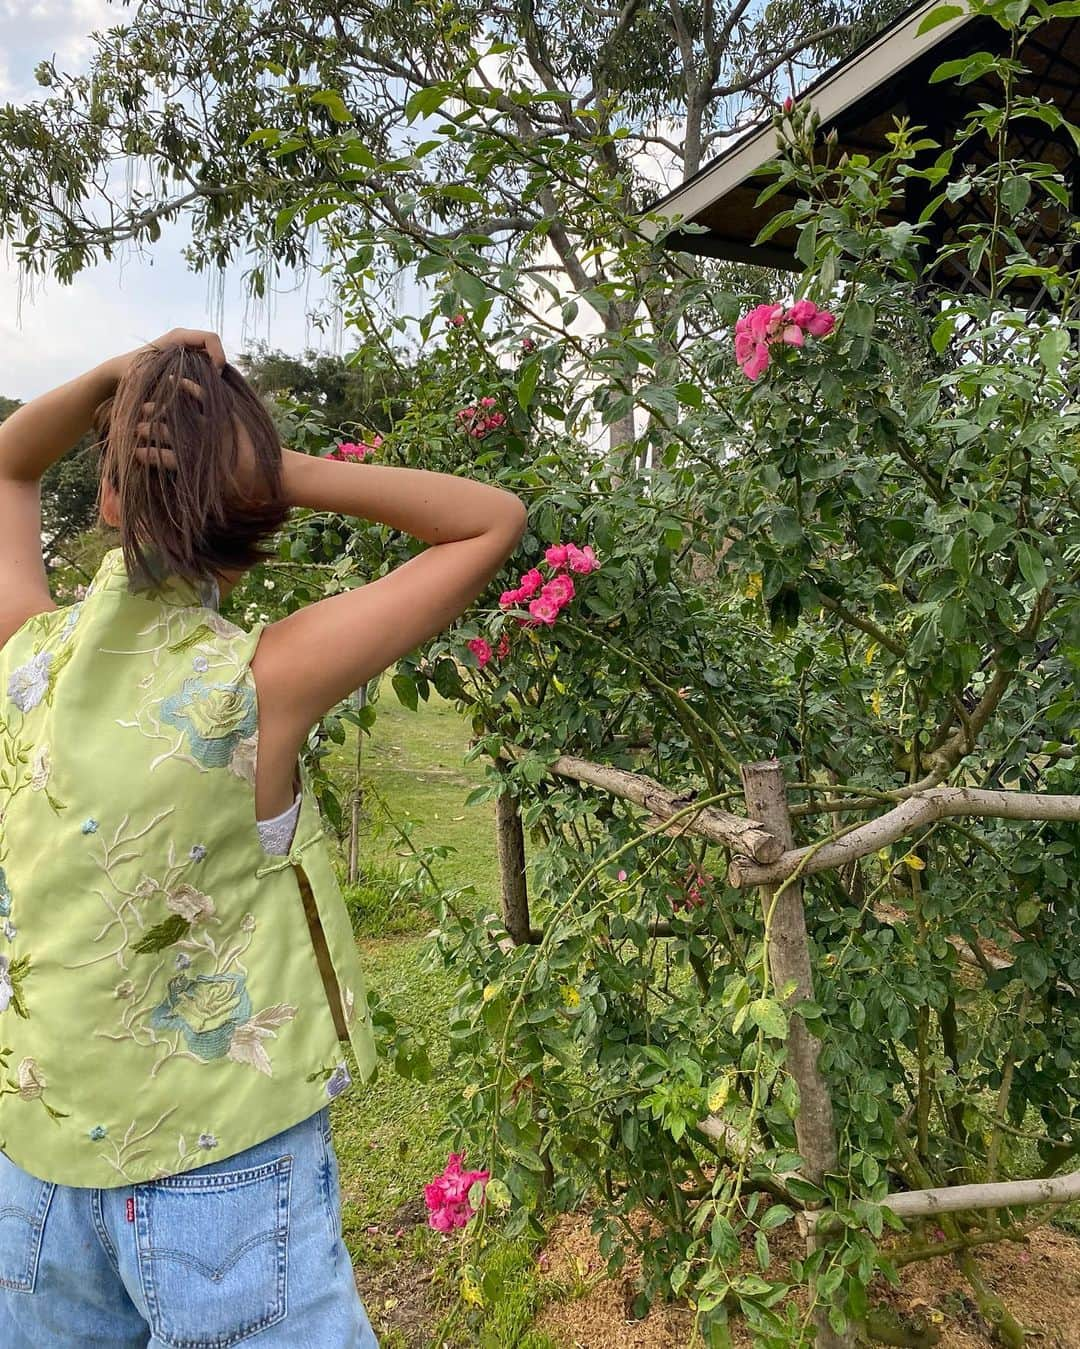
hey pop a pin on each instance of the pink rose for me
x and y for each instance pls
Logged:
(544, 610)
(560, 588)
(509, 598)
(822, 324)
(531, 582)
(758, 362)
(480, 649)
(528, 344)
(582, 560)
(503, 649)
(801, 312)
(487, 402)
(458, 320)
(447, 1196)
(556, 555)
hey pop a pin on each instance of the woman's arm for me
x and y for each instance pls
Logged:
(309, 661)
(33, 438)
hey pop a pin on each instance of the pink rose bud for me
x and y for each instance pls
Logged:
(621, 876)
(789, 103)
(458, 320)
(487, 402)
(822, 324)
(528, 344)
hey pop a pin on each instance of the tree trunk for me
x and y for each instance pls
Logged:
(789, 960)
(511, 843)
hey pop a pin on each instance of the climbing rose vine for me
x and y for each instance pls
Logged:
(347, 451)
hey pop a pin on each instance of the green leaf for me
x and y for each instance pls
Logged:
(1032, 567)
(530, 373)
(1027, 911)
(1053, 344)
(470, 288)
(404, 686)
(332, 101)
(1015, 193)
(769, 1016)
(163, 934)
(942, 14)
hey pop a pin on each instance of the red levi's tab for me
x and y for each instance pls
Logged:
(131, 1210)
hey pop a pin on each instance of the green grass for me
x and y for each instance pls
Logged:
(412, 770)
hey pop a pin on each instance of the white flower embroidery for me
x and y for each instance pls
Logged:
(31, 1080)
(42, 765)
(190, 903)
(7, 989)
(242, 762)
(246, 1043)
(29, 683)
(9, 929)
(247, 923)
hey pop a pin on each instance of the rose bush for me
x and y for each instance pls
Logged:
(864, 560)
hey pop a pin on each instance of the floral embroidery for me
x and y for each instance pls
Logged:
(198, 852)
(31, 1080)
(206, 1009)
(201, 664)
(182, 961)
(90, 826)
(42, 765)
(11, 976)
(98, 1131)
(338, 1081)
(213, 716)
(10, 930)
(207, 1141)
(5, 895)
(30, 682)
(191, 904)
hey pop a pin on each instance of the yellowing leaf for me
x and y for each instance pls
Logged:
(915, 863)
(871, 652)
(719, 1092)
(875, 702)
(490, 991)
(559, 685)
(753, 585)
(470, 1288)
(570, 995)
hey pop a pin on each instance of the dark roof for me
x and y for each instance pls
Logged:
(886, 78)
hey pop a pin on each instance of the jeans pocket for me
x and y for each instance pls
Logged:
(24, 1202)
(213, 1253)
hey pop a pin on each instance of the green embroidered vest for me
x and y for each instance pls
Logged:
(170, 994)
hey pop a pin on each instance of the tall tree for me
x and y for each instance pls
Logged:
(257, 122)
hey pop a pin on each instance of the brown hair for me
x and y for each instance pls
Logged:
(201, 517)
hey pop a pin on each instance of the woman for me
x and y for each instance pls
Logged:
(177, 971)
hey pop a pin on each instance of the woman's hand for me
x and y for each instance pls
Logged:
(153, 446)
(175, 337)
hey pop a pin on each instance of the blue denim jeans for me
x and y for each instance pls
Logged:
(247, 1248)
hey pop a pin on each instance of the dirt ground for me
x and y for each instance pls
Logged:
(1039, 1281)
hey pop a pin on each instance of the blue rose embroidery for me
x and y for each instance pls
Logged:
(98, 1131)
(30, 682)
(206, 1008)
(90, 826)
(213, 716)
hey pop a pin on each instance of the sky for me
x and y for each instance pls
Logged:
(58, 331)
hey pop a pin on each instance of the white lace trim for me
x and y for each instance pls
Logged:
(277, 834)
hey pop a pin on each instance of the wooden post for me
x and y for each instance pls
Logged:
(510, 838)
(789, 960)
(358, 798)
